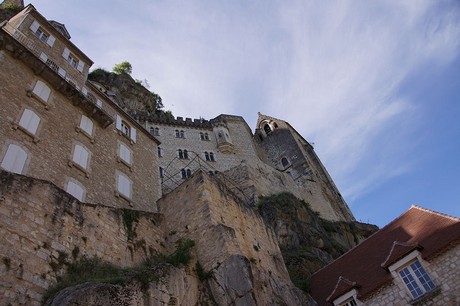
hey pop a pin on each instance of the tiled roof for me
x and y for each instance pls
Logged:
(418, 228)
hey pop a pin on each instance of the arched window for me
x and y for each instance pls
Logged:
(177, 134)
(182, 134)
(162, 172)
(189, 173)
(29, 121)
(156, 132)
(185, 154)
(211, 156)
(181, 154)
(201, 136)
(160, 152)
(14, 159)
(80, 156)
(206, 136)
(206, 156)
(42, 91)
(267, 129)
(284, 162)
(152, 130)
(76, 190)
(184, 173)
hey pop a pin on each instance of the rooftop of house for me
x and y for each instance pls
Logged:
(364, 268)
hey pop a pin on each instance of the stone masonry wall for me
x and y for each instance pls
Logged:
(232, 241)
(444, 272)
(41, 227)
(51, 149)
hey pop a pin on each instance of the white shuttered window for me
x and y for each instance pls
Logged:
(125, 154)
(80, 156)
(42, 91)
(14, 159)
(124, 185)
(86, 125)
(29, 121)
(76, 190)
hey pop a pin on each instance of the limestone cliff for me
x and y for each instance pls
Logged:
(127, 93)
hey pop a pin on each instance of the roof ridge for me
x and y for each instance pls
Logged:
(434, 212)
(341, 279)
(397, 243)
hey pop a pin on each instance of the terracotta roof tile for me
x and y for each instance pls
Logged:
(417, 227)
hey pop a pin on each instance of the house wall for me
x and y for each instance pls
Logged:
(443, 271)
(51, 149)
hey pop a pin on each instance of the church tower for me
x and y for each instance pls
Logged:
(287, 151)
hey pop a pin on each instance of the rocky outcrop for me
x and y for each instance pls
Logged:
(307, 241)
(127, 93)
(173, 287)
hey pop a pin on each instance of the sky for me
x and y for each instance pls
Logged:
(373, 85)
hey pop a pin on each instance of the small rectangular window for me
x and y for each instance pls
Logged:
(80, 156)
(125, 154)
(124, 185)
(86, 125)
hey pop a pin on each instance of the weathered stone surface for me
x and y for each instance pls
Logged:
(174, 287)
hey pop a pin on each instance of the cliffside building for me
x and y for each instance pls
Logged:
(58, 126)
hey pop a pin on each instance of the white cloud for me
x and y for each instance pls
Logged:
(333, 70)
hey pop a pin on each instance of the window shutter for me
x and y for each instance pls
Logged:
(43, 57)
(80, 66)
(84, 90)
(80, 156)
(86, 125)
(133, 134)
(66, 53)
(75, 190)
(14, 159)
(29, 121)
(99, 103)
(34, 27)
(62, 72)
(42, 91)
(50, 41)
(118, 122)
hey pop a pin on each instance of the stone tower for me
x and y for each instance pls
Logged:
(287, 151)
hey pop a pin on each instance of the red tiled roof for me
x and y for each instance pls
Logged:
(343, 285)
(418, 227)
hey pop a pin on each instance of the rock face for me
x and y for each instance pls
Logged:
(232, 242)
(126, 92)
(175, 287)
(308, 242)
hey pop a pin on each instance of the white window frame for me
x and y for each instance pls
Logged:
(73, 60)
(124, 186)
(42, 34)
(346, 298)
(125, 129)
(81, 157)
(15, 159)
(76, 189)
(41, 91)
(406, 262)
(125, 154)
(29, 122)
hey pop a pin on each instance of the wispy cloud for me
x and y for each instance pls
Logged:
(334, 70)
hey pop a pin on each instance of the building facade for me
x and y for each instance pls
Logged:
(414, 260)
(56, 126)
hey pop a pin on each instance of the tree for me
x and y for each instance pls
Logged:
(123, 67)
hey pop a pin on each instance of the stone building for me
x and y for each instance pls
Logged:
(58, 127)
(414, 260)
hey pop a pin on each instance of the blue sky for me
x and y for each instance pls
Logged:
(375, 85)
